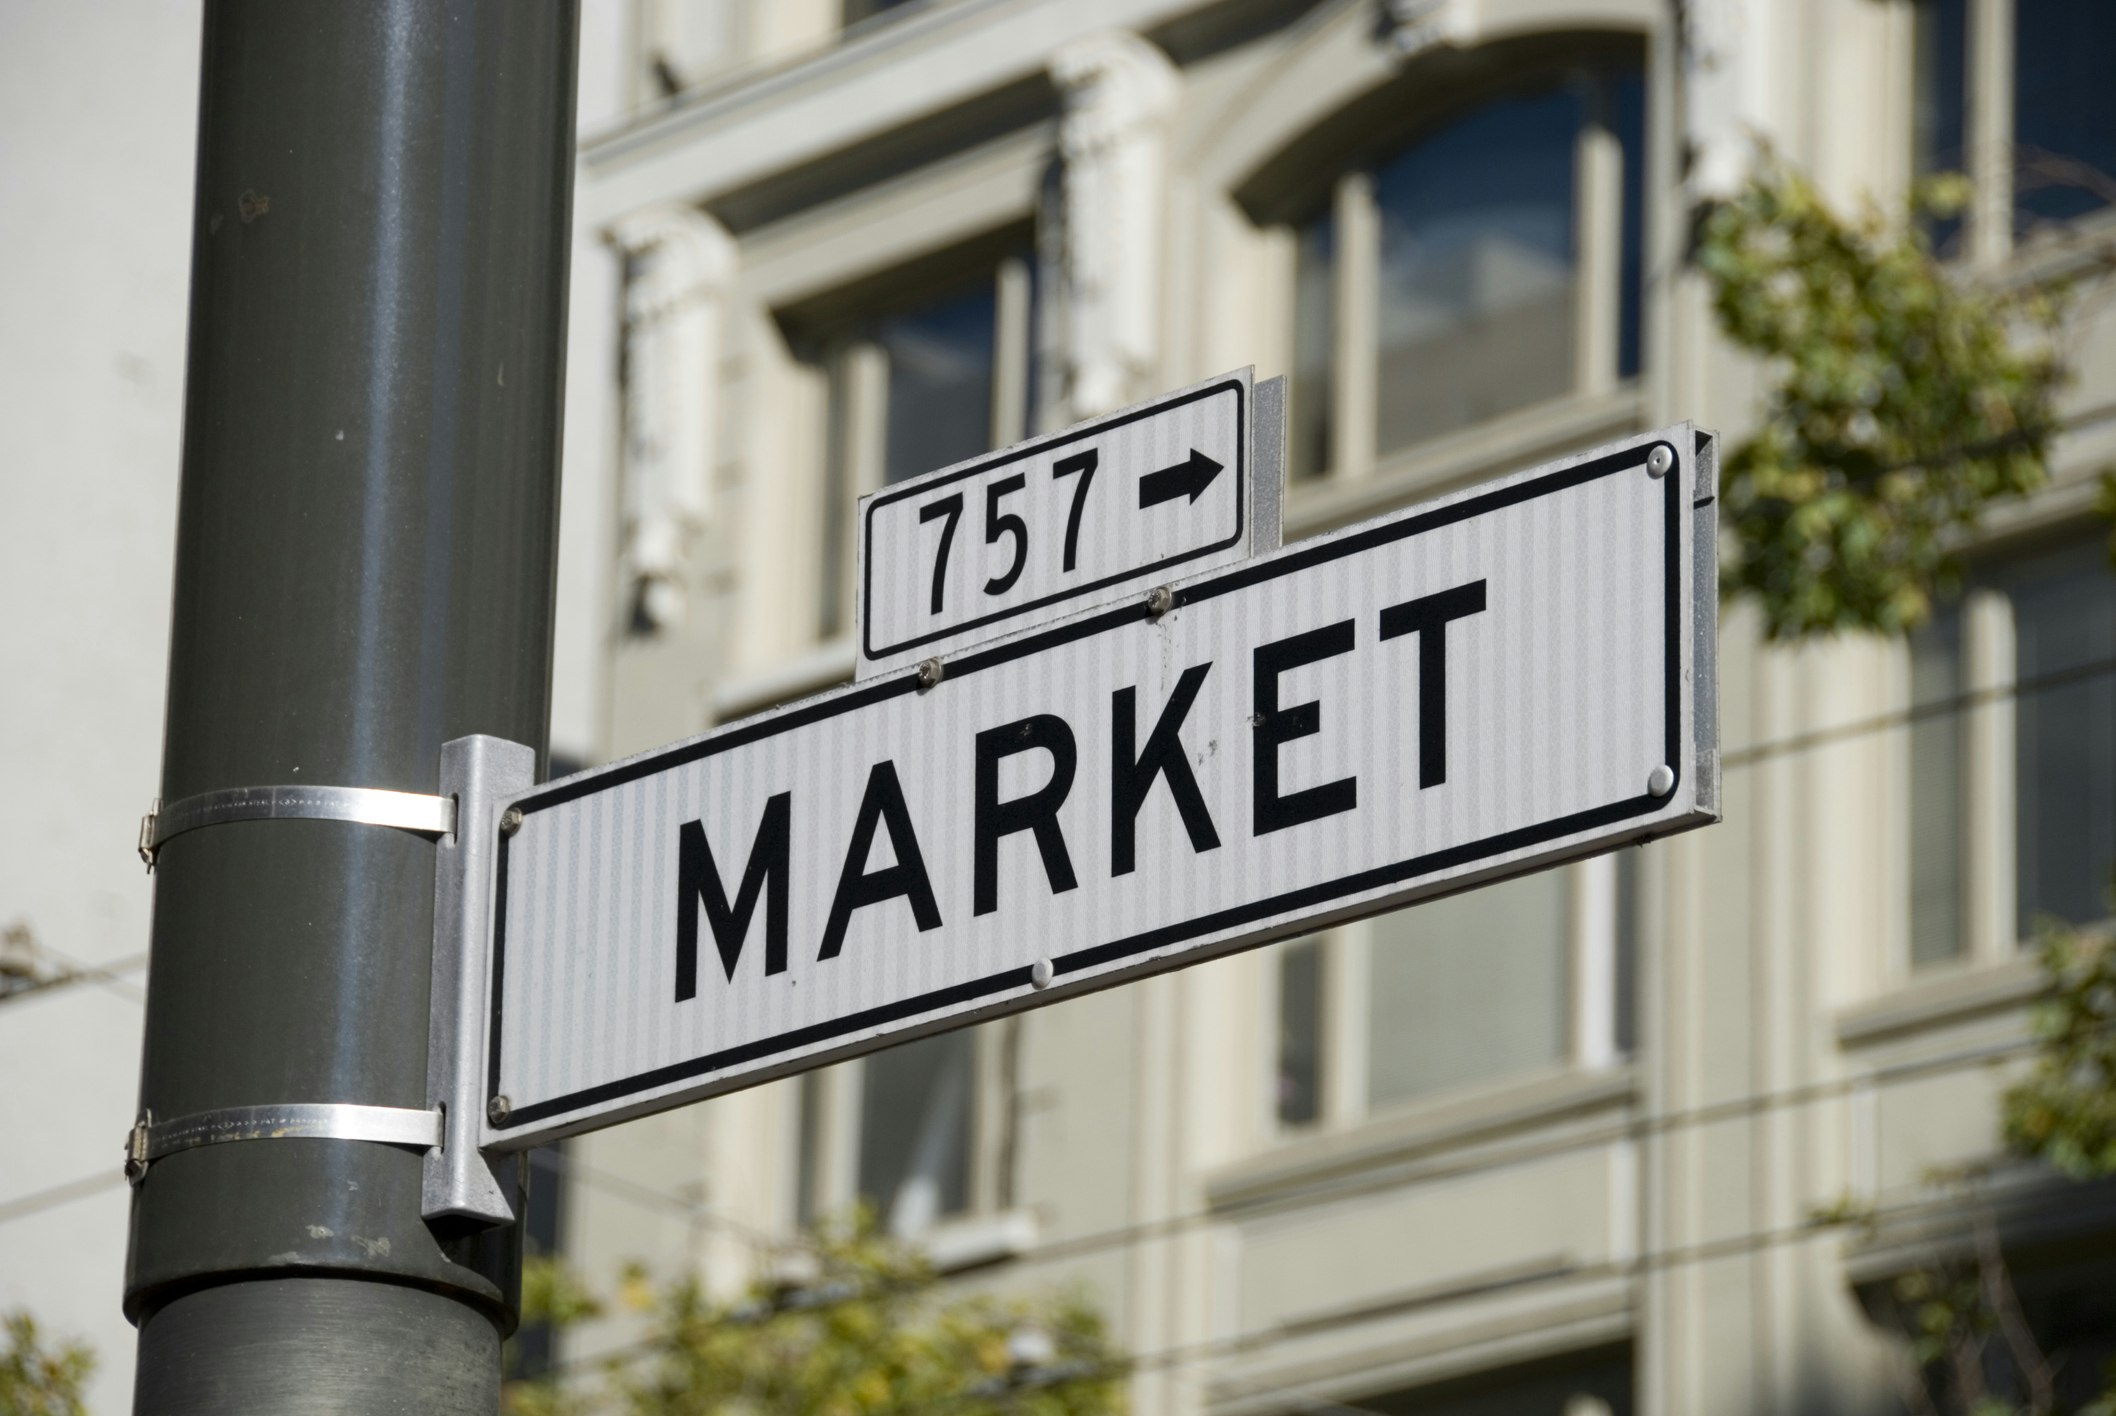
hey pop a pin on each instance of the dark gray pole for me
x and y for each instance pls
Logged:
(364, 570)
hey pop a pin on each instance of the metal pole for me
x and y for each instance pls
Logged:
(365, 563)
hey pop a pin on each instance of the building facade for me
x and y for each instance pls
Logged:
(1556, 1145)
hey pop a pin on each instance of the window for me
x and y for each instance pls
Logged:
(1490, 265)
(915, 1121)
(1981, 874)
(919, 1133)
(1500, 981)
(1467, 988)
(919, 381)
(2015, 93)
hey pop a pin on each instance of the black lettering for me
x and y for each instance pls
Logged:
(1037, 812)
(1132, 774)
(858, 886)
(1427, 617)
(698, 880)
(1275, 726)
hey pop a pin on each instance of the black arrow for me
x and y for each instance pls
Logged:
(1169, 483)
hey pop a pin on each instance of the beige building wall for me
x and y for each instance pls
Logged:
(1624, 1217)
(1641, 1202)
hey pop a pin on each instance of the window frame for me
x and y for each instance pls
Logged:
(1988, 903)
(1353, 372)
(855, 375)
(826, 1142)
(1987, 237)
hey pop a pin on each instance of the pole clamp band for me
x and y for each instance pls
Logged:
(370, 806)
(150, 1140)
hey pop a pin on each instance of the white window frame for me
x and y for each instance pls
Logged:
(1598, 166)
(833, 1181)
(1591, 1044)
(1988, 893)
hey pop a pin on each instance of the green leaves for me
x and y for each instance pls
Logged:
(40, 1380)
(865, 1333)
(1901, 402)
(2065, 1111)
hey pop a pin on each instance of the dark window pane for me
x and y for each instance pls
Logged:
(1628, 104)
(808, 1160)
(1467, 989)
(1300, 1033)
(915, 1107)
(2064, 618)
(940, 382)
(1940, 100)
(2064, 107)
(543, 1236)
(1936, 745)
(1477, 268)
(1314, 346)
(1627, 930)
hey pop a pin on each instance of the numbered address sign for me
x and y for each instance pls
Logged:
(1101, 510)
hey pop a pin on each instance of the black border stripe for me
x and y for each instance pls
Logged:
(1007, 459)
(1095, 956)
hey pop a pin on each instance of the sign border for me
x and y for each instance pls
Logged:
(1242, 457)
(1289, 561)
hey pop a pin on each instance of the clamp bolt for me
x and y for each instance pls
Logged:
(1660, 781)
(497, 1109)
(930, 672)
(510, 821)
(1661, 461)
(1160, 600)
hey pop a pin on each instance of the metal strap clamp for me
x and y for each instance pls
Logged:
(150, 1140)
(372, 806)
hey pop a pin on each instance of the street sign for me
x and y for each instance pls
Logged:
(1093, 514)
(1507, 678)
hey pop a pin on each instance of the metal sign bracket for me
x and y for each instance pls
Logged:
(477, 773)
(149, 1140)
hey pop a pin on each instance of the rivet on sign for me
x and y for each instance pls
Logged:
(1160, 600)
(1661, 461)
(510, 821)
(496, 1109)
(1041, 972)
(1660, 781)
(929, 672)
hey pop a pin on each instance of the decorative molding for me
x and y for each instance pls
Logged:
(1721, 94)
(1118, 92)
(678, 261)
(1413, 26)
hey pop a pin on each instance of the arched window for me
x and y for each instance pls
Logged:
(1488, 264)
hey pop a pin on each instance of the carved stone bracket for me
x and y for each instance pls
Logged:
(1413, 26)
(678, 261)
(1118, 92)
(1720, 98)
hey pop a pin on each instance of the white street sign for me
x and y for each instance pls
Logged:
(1514, 676)
(1090, 515)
